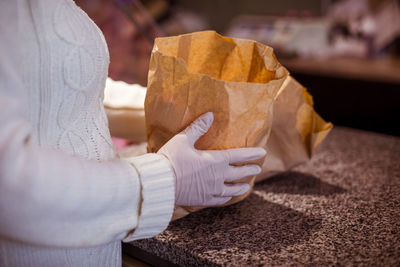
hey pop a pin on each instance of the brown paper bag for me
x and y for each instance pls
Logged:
(297, 130)
(242, 83)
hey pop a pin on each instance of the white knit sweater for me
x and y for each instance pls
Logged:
(65, 198)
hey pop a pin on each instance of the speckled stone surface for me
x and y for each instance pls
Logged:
(341, 208)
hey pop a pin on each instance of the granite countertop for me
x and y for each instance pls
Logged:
(341, 208)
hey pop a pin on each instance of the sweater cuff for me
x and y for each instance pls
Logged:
(157, 194)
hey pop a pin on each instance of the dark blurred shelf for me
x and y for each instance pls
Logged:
(376, 70)
(357, 93)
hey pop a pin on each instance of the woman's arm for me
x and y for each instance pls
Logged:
(50, 198)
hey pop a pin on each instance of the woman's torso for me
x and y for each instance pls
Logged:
(65, 66)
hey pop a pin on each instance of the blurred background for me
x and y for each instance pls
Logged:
(345, 52)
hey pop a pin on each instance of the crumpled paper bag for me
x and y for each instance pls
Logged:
(296, 132)
(250, 93)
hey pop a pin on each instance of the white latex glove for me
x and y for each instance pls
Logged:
(201, 174)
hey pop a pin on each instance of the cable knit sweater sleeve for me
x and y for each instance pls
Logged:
(53, 199)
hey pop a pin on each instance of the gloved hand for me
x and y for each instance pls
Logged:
(201, 174)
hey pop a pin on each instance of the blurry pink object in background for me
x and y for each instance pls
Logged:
(120, 143)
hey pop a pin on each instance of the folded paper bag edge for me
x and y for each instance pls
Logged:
(270, 61)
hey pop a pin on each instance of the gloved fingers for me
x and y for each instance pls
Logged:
(215, 201)
(231, 190)
(199, 127)
(237, 155)
(238, 172)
